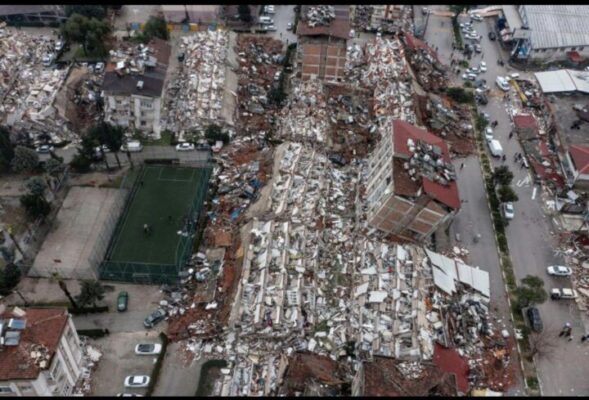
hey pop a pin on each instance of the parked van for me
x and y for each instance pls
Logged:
(132, 146)
(502, 83)
(495, 148)
(266, 20)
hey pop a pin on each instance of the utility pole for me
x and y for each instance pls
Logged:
(9, 231)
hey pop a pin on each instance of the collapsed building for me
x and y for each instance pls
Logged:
(411, 189)
(196, 95)
(430, 72)
(28, 89)
(133, 86)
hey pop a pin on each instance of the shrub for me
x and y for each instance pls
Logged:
(459, 95)
(93, 333)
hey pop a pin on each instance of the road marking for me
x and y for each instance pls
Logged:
(534, 192)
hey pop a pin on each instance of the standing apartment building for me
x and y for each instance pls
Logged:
(411, 189)
(40, 353)
(133, 87)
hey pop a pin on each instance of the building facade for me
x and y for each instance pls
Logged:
(133, 88)
(578, 160)
(411, 188)
(41, 356)
(44, 14)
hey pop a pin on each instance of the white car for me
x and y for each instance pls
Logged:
(483, 66)
(476, 17)
(44, 149)
(508, 211)
(564, 294)
(129, 395)
(489, 134)
(289, 26)
(104, 148)
(136, 381)
(185, 146)
(469, 77)
(271, 28)
(559, 270)
(270, 10)
(148, 349)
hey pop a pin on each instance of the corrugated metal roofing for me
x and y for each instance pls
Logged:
(558, 26)
(563, 80)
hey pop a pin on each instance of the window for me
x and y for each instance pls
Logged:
(6, 389)
(143, 123)
(146, 104)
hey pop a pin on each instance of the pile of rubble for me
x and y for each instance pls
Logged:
(362, 17)
(132, 59)
(304, 117)
(195, 97)
(431, 74)
(320, 15)
(260, 65)
(91, 358)
(27, 89)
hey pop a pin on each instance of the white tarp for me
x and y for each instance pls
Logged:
(475, 278)
(445, 264)
(563, 80)
(446, 271)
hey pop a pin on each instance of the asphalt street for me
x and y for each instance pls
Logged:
(530, 234)
(283, 16)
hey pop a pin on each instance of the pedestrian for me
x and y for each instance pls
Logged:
(145, 228)
(462, 166)
(521, 166)
(561, 334)
(510, 134)
(169, 218)
(482, 55)
(141, 183)
(570, 338)
(504, 157)
(583, 338)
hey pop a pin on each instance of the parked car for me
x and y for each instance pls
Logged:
(492, 36)
(289, 26)
(48, 59)
(122, 301)
(184, 146)
(136, 381)
(469, 77)
(154, 318)
(489, 134)
(563, 294)
(483, 66)
(132, 146)
(476, 17)
(181, 57)
(59, 46)
(559, 270)
(481, 98)
(478, 48)
(508, 211)
(535, 319)
(271, 28)
(148, 349)
(424, 10)
(99, 67)
(44, 149)
(486, 116)
(270, 10)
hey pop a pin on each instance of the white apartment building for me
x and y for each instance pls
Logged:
(40, 353)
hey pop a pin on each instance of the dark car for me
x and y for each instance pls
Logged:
(481, 99)
(154, 318)
(492, 36)
(181, 57)
(535, 320)
(122, 301)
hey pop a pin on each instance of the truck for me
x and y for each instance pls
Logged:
(495, 148)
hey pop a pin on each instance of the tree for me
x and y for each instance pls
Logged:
(459, 95)
(6, 149)
(214, 133)
(481, 122)
(9, 278)
(91, 291)
(530, 292)
(80, 163)
(245, 13)
(36, 186)
(53, 167)
(110, 136)
(35, 206)
(25, 160)
(89, 11)
(63, 286)
(89, 32)
(502, 175)
(542, 343)
(155, 27)
(506, 194)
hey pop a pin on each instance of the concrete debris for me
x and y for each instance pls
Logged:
(431, 74)
(320, 15)
(91, 356)
(195, 97)
(362, 17)
(27, 88)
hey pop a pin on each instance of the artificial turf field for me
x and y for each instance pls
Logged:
(166, 191)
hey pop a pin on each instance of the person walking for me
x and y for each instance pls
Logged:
(462, 166)
(583, 338)
(510, 134)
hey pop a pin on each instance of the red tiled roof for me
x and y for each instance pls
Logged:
(413, 43)
(404, 130)
(447, 194)
(448, 360)
(44, 326)
(580, 156)
(525, 121)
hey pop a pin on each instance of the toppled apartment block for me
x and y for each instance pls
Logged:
(133, 86)
(431, 73)
(195, 98)
(411, 184)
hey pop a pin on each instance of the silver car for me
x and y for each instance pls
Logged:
(559, 270)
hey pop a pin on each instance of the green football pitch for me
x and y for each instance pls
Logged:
(163, 198)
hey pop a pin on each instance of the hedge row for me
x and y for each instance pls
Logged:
(88, 310)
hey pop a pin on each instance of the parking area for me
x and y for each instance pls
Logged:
(119, 361)
(143, 299)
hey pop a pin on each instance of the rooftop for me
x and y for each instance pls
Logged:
(338, 27)
(27, 9)
(525, 121)
(428, 154)
(43, 330)
(565, 116)
(176, 13)
(557, 25)
(580, 156)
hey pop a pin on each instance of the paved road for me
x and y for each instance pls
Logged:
(177, 379)
(531, 242)
(474, 217)
(148, 152)
(284, 15)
